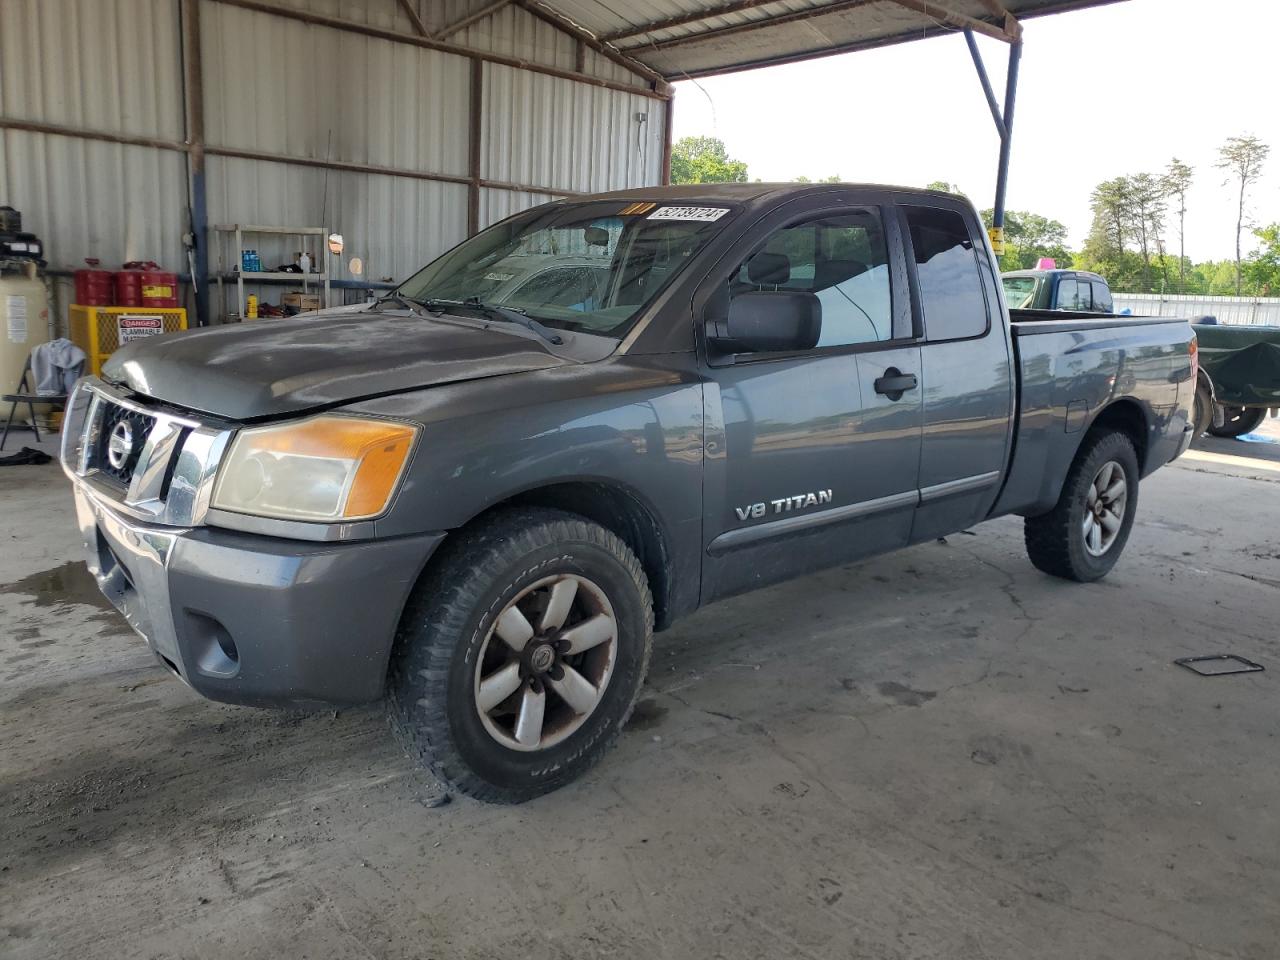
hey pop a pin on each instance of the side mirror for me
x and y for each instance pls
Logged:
(596, 236)
(768, 322)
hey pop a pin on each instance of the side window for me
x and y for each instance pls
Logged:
(947, 271)
(842, 260)
(1102, 298)
(1066, 294)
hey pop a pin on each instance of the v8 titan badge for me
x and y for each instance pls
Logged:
(706, 214)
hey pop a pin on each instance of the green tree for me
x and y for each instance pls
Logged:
(834, 178)
(1262, 269)
(1105, 249)
(1177, 181)
(1147, 206)
(704, 160)
(1242, 158)
(1112, 205)
(945, 187)
(1028, 237)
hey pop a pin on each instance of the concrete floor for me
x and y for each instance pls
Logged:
(940, 753)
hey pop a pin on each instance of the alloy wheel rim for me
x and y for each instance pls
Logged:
(1104, 509)
(546, 662)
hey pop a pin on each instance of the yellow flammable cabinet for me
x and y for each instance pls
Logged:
(100, 331)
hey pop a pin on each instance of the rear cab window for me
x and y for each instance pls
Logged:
(947, 274)
(1102, 302)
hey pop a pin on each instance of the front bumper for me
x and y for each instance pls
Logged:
(251, 619)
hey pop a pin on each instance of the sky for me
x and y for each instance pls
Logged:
(1107, 92)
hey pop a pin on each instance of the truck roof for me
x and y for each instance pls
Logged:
(746, 192)
(1050, 273)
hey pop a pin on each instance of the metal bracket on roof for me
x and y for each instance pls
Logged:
(1009, 32)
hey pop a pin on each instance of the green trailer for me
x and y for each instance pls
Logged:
(1239, 377)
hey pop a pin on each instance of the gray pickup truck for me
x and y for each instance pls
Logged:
(478, 499)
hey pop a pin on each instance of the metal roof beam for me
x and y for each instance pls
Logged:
(562, 23)
(1011, 25)
(470, 19)
(411, 12)
(684, 19)
(661, 90)
(763, 24)
(960, 21)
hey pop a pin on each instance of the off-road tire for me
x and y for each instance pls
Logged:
(1237, 421)
(430, 697)
(1055, 540)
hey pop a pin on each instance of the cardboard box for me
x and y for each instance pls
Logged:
(303, 301)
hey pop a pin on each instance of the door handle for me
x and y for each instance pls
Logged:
(895, 383)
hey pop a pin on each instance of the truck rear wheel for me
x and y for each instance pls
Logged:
(1201, 410)
(1083, 536)
(1237, 421)
(521, 654)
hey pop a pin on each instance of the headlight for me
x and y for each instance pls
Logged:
(326, 468)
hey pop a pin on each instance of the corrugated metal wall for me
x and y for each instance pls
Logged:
(583, 139)
(302, 91)
(1249, 311)
(77, 64)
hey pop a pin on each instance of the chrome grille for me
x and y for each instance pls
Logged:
(162, 464)
(126, 430)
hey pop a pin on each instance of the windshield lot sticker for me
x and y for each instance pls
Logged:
(688, 213)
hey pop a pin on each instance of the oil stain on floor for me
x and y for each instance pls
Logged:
(70, 582)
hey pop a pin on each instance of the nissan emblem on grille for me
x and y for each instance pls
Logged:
(120, 445)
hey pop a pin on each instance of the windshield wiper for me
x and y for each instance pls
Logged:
(395, 296)
(493, 311)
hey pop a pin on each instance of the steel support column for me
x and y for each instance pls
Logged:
(193, 108)
(668, 109)
(1003, 119)
(474, 127)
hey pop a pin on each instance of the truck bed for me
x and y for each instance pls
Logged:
(1071, 367)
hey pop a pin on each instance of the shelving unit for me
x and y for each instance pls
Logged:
(233, 236)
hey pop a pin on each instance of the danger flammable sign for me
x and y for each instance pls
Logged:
(135, 328)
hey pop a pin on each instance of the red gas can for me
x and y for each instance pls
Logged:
(128, 283)
(159, 287)
(94, 287)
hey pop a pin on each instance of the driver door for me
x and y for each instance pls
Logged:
(811, 461)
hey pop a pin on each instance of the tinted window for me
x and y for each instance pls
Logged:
(947, 270)
(1019, 292)
(1067, 294)
(842, 261)
(1102, 298)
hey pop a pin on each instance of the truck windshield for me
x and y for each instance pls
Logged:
(1019, 292)
(589, 267)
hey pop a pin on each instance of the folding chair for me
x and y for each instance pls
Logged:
(24, 395)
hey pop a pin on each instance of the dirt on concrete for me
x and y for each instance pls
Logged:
(936, 754)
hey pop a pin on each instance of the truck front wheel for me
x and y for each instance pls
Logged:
(1083, 536)
(521, 654)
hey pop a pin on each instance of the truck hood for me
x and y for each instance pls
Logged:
(268, 368)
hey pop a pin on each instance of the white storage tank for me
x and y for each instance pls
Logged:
(24, 322)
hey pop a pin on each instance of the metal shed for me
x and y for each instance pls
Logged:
(405, 124)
